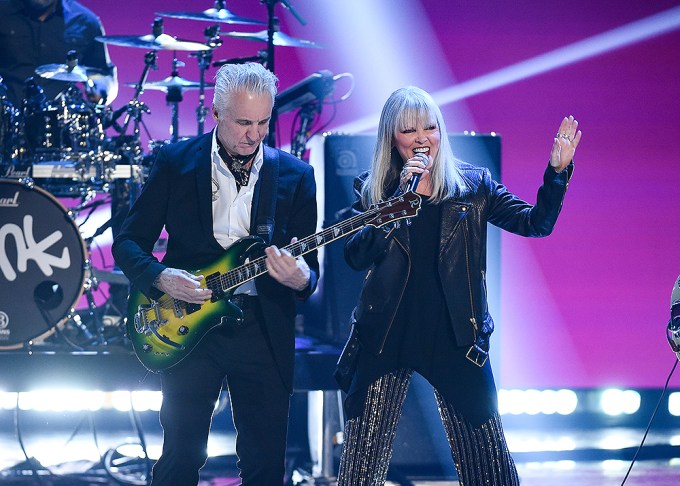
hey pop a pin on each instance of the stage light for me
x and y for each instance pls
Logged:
(60, 400)
(510, 402)
(566, 401)
(534, 402)
(8, 400)
(619, 402)
(141, 400)
(518, 444)
(596, 45)
(674, 404)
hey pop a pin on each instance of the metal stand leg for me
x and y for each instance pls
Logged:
(324, 417)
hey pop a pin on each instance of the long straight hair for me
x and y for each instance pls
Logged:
(406, 108)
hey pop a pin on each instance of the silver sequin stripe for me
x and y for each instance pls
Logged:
(367, 449)
(480, 454)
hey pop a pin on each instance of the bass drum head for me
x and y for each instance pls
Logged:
(42, 263)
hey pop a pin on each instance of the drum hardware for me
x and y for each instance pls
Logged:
(174, 85)
(274, 37)
(279, 39)
(155, 41)
(9, 132)
(12, 150)
(135, 108)
(172, 82)
(71, 71)
(212, 35)
(217, 14)
(91, 174)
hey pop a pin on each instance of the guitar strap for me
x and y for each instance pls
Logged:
(264, 199)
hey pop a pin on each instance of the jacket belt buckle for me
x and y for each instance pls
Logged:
(477, 355)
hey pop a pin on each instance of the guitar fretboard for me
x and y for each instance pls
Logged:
(399, 207)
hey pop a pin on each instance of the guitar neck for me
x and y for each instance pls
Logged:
(254, 268)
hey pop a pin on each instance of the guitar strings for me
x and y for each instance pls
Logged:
(233, 278)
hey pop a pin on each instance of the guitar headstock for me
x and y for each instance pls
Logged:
(406, 205)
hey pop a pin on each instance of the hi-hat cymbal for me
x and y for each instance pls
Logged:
(162, 42)
(212, 15)
(174, 82)
(74, 74)
(280, 39)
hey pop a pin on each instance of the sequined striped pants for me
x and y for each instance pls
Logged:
(480, 454)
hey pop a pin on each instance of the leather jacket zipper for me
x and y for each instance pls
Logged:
(473, 320)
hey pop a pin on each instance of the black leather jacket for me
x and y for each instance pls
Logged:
(462, 257)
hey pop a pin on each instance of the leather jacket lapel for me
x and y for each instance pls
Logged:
(453, 213)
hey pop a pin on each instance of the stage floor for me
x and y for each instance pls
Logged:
(69, 448)
(91, 448)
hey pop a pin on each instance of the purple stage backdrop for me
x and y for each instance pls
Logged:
(586, 307)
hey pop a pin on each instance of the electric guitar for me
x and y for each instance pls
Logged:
(164, 331)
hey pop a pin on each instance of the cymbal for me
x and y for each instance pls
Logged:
(62, 72)
(173, 82)
(212, 15)
(280, 39)
(162, 42)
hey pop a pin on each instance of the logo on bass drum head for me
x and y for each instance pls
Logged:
(4, 323)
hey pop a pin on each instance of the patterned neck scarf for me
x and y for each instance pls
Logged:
(237, 165)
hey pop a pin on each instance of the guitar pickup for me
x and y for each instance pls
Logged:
(191, 308)
(212, 281)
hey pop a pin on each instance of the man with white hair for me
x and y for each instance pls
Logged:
(210, 193)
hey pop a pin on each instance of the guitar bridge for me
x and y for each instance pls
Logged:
(142, 324)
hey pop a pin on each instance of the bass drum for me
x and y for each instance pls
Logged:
(42, 264)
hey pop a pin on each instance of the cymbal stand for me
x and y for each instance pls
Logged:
(173, 96)
(272, 28)
(212, 34)
(136, 108)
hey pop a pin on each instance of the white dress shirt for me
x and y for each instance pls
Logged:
(231, 208)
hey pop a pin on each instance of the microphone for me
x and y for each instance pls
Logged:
(673, 328)
(413, 183)
(415, 179)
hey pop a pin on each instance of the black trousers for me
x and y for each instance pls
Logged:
(259, 402)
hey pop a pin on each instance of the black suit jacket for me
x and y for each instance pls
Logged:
(177, 196)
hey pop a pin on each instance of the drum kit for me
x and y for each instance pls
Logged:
(60, 148)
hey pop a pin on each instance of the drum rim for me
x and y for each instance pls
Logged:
(44, 335)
